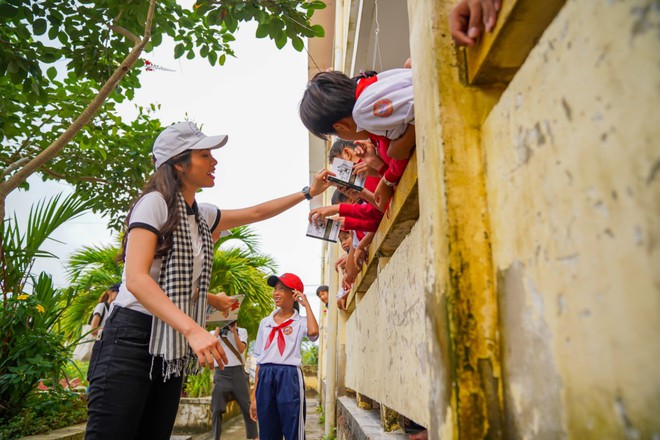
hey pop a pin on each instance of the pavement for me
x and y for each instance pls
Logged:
(234, 429)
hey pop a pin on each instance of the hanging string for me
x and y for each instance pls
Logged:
(377, 42)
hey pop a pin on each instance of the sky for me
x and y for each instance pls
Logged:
(254, 99)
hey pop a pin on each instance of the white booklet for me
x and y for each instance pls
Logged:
(344, 176)
(328, 230)
(222, 318)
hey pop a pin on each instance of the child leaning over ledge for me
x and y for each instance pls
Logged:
(375, 106)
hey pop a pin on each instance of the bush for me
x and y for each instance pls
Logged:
(199, 385)
(30, 351)
(310, 353)
(45, 411)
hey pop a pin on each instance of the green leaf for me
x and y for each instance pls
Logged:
(190, 55)
(222, 59)
(204, 51)
(179, 49)
(280, 41)
(318, 31)
(213, 57)
(8, 11)
(39, 26)
(156, 39)
(262, 31)
(51, 72)
(297, 43)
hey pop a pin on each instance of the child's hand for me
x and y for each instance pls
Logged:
(360, 256)
(363, 168)
(301, 298)
(318, 215)
(340, 263)
(341, 303)
(382, 195)
(468, 19)
(253, 410)
(366, 151)
(347, 282)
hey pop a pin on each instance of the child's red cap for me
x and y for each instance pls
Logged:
(289, 280)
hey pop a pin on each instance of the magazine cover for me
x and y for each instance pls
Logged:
(220, 318)
(344, 176)
(328, 230)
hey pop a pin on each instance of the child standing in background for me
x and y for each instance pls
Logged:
(278, 402)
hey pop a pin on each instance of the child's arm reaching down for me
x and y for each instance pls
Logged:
(401, 147)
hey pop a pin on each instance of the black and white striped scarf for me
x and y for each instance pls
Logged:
(176, 281)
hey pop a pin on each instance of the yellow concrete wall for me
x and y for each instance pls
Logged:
(386, 337)
(573, 184)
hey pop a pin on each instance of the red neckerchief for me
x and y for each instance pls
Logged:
(281, 343)
(363, 83)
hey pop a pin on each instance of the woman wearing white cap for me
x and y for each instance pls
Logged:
(155, 333)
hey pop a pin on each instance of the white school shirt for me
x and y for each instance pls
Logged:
(150, 212)
(102, 310)
(386, 107)
(293, 335)
(232, 360)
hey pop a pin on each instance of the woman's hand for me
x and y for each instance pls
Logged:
(320, 182)
(207, 348)
(253, 410)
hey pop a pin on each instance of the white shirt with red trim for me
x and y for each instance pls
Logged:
(386, 107)
(150, 212)
(293, 336)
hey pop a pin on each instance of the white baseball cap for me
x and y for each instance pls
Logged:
(183, 136)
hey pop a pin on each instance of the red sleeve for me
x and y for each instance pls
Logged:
(395, 168)
(352, 224)
(364, 211)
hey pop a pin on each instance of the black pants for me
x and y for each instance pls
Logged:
(231, 380)
(124, 403)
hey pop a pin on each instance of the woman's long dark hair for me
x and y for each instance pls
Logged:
(167, 181)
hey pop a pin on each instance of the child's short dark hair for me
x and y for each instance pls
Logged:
(322, 289)
(338, 197)
(338, 147)
(329, 97)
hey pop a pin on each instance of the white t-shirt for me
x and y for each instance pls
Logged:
(293, 336)
(233, 361)
(386, 107)
(150, 212)
(102, 311)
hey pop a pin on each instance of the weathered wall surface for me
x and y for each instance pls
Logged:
(386, 336)
(573, 184)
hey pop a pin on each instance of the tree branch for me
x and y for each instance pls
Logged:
(126, 33)
(85, 117)
(14, 166)
(57, 175)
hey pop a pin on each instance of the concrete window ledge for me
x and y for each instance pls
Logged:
(75, 432)
(362, 424)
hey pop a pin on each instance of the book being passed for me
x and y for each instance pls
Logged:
(327, 230)
(344, 176)
(222, 318)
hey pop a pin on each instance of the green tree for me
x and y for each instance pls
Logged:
(65, 64)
